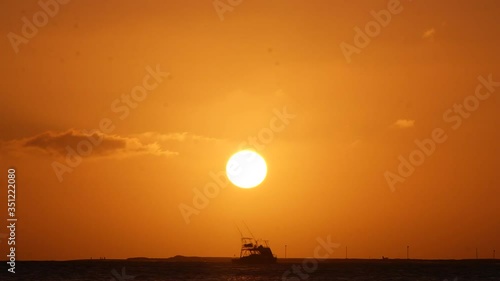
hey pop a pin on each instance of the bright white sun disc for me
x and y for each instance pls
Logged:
(246, 169)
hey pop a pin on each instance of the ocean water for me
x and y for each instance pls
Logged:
(121, 270)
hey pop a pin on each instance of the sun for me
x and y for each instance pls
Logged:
(246, 169)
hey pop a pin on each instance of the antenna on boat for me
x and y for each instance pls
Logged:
(249, 230)
(241, 234)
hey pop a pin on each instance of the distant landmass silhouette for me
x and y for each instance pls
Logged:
(180, 258)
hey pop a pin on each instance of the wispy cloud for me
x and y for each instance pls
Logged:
(403, 124)
(57, 144)
(429, 34)
(184, 136)
(355, 143)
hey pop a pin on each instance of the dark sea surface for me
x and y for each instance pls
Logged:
(121, 270)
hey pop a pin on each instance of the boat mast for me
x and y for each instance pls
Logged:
(249, 231)
(242, 241)
(241, 234)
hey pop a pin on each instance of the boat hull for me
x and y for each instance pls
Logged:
(255, 259)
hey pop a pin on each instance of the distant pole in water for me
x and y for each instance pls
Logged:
(345, 252)
(477, 256)
(493, 253)
(407, 252)
(285, 251)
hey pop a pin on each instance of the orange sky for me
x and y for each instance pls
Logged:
(226, 80)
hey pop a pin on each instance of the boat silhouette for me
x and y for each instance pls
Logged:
(255, 251)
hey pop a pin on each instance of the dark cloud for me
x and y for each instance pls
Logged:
(93, 144)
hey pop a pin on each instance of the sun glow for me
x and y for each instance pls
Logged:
(246, 169)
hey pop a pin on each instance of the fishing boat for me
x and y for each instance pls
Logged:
(255, 251)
